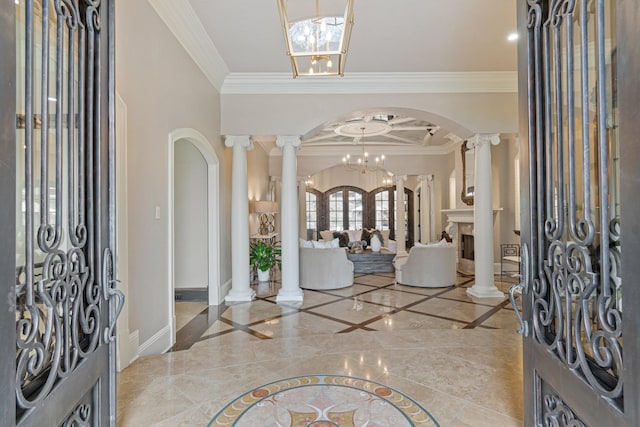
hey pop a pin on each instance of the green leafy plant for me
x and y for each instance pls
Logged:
(263, 254)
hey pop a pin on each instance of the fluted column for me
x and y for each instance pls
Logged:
(240, 271)
(400, 219)
(290, 290)
(484, 286)
(302, 209)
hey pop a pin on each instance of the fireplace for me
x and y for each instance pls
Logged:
(466, 247)
(460, 228)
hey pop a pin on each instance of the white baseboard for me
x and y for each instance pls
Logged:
(128, 350)
(158, 343)
(224, 290)
(134, 344)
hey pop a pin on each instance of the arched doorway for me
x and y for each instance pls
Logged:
(205, 188)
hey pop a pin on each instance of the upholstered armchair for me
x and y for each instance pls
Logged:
(427, 266)
(325, 268)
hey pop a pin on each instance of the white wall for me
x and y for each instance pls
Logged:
(464, 114)
(190, 217)
(504, 192)
(164, 90)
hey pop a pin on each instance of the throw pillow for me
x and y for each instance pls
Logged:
(354, 235)
(366, 236)
(319, 244)
(343, 238)
(305, 243)
(326, 235)
(443, 242)
(335, 243)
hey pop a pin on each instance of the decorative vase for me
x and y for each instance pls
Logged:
(376, 244)
(263, 276)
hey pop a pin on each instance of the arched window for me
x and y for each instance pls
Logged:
(381, 215)
(345, 208)
(384, 214)
(313, 201)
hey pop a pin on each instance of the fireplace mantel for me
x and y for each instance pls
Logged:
(464, 215)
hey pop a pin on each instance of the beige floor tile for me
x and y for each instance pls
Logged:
(404, 320)
(463, 377)
(464, 311)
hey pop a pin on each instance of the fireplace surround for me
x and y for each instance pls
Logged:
(460, 222)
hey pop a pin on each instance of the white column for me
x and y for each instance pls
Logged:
(426, 219)
(290, 290)
(432, 207)
(302, 209)
(483, 218)
(400, 220)
(240, 271)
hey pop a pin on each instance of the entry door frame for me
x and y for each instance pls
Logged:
(583, 406)
(7, 209)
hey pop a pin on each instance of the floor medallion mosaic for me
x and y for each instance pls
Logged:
(323, 401)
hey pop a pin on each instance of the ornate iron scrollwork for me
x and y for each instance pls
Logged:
(59, 302)
(80, 417)
(557, 414)
(576, 286)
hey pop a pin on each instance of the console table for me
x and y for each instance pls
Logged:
(372, 262)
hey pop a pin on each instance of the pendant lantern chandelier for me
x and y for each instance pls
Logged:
(317, 34)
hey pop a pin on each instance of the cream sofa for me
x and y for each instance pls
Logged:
(428, 266)
(325, 268)
(356, 235)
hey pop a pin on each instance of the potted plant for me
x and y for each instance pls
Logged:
(263, 256)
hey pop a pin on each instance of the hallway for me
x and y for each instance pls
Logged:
(460, 359)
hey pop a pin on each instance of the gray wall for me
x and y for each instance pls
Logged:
(164, 90)
(190, 217)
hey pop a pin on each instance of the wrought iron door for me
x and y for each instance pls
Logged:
(60, 302)
(578, 96)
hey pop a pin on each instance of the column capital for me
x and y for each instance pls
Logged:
(285, 140)
(427, 178)
(400, 178)
(243, 141)
(480, 139)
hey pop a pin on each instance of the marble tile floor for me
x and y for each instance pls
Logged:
(458, 357)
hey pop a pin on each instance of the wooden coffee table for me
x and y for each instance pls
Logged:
(372, 262)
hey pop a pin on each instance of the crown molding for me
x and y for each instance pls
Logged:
(306, 150)
(183, 22)
(365, 83)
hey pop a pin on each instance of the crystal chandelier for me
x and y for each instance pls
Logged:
(317, 37)
(362, 163)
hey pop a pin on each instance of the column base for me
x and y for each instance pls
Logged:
(240, 296)
(295, 295)
(484, 292)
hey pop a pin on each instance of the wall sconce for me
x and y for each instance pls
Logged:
(266, 210)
